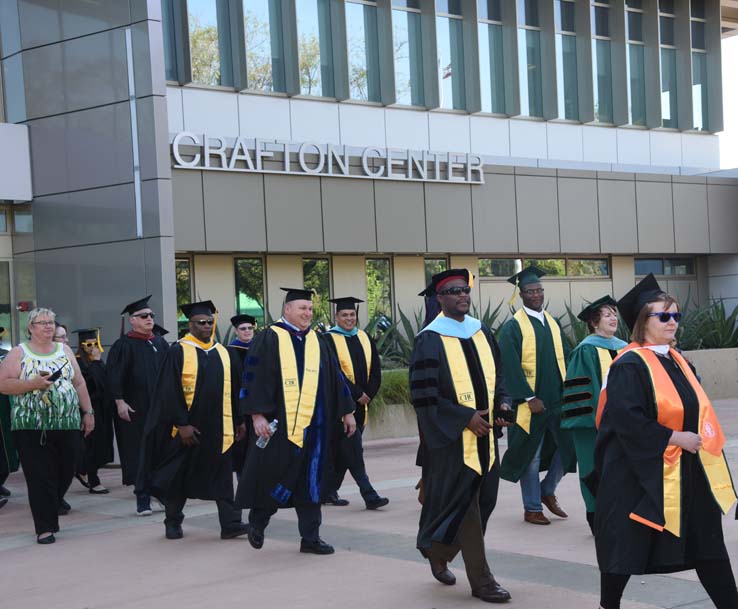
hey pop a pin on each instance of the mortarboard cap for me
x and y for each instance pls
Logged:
(347, 302)
(297, 294)
(427, 292)
(588, 311)
(439, 279)
(88, 334)
(237, 320)
(136, 306)
(159, 331)
(206, 307)
(645, 291)
(530, 274)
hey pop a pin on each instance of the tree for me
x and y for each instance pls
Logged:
(204, 53)
(258, 53)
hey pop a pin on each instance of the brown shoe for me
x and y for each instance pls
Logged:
(536, 518)
(441, 572)
(553, 506)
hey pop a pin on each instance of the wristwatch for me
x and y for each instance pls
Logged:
(90, 411)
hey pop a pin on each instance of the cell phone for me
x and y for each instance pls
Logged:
(506, 415)
(56, 375)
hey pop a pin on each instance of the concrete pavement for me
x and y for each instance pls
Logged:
(108, 558)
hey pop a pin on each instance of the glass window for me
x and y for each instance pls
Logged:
(699, 90)
(679, 266)
(635, 26)
(666, 27)
(668, 88)
(644, 266)
(450, 40)
(499, 267)
(698, 9)
(433, 266)
(528, 13)
(5, 318)
(264, 45)
(170, 49)
(587, 267)
(408, 54)
(603, 81)
(250, 288)
(566, 16)
(601, 20)
(183, 276)
(492, 68)
(634, 3)
(315, 47)
(450, 7)
(209, 52)
(698, 35)
(490, 10)
(566, 68)
(316, 276)
(3, 221)
(363, 51)
(22, 221)
(637, 84)
(666, 6)
(531, 92)
(555, 267)
(378, 287)
(407, 3)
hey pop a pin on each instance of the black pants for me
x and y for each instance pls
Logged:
(350, 457)
(87, 463)
(470, 541)
(48, 459)
(716, 576)
(228, 514)
(309, 518)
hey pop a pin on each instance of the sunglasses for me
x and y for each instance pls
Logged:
(89, 343)
(665, 317)
(144, 315)
(457, 291)
(204, 322)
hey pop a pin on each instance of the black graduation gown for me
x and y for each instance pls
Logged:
(450, 485)
(282, 474)
(98, 446)
(131, 371)
(238, 452)
(629, 465)
(169, 468)
(8, 454)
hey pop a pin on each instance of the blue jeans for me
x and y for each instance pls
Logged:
(531, 486)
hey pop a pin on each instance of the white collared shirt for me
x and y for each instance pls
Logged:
(537, 314)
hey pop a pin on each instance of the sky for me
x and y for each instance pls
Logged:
(729, 137)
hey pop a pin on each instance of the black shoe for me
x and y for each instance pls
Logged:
(143, 505)
(82, 481)
(335, 500)
(237, 530)
(98, 490)
(591, 521)
(442, 573)
(316, 547)
(3, 502)
(173, 531)
(256, 537)
(45, 541)
(492, 593)
(64, 509)
(377, 502)
(4, 491)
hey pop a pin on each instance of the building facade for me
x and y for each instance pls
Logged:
(224, 148)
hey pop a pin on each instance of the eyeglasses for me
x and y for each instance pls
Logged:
(245, 328)
(457, 291)
(533, 292)
(89, 343)
(46, 324)
(144, 315)
(204, 322)
(665, 317)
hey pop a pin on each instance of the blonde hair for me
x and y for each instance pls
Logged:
(35, 314)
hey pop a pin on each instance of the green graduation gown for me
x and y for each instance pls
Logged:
(548, 387)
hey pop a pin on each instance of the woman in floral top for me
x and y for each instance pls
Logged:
(47, 412)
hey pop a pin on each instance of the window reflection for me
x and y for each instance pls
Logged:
(250, 288)
(450, 40)
(363, 51)
(316, 276)
(314, 47)
(264, 45)
(378, 287)
(408, 54)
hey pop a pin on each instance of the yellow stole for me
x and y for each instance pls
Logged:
(605, 361)
(528, 358)
(344, 357)
(299, 401)
(464, 389)
(189, 381)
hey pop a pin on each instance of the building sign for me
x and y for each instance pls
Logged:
(215, 153)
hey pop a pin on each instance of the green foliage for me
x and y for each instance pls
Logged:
(491, 317)
(708, 326)
(204, 53)
(395, 388)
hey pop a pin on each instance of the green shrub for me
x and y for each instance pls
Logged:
(395, 388)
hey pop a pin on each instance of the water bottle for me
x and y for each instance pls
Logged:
(262, 442)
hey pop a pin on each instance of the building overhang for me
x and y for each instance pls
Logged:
(729, 17)
(15, 163)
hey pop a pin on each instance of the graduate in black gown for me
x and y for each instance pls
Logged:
(356, 353)
(244, 326)
(132, 367)
(293, 378)
(8, 455)
(662, 479)
(189, 430)
(97, 447)
(456, 381)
